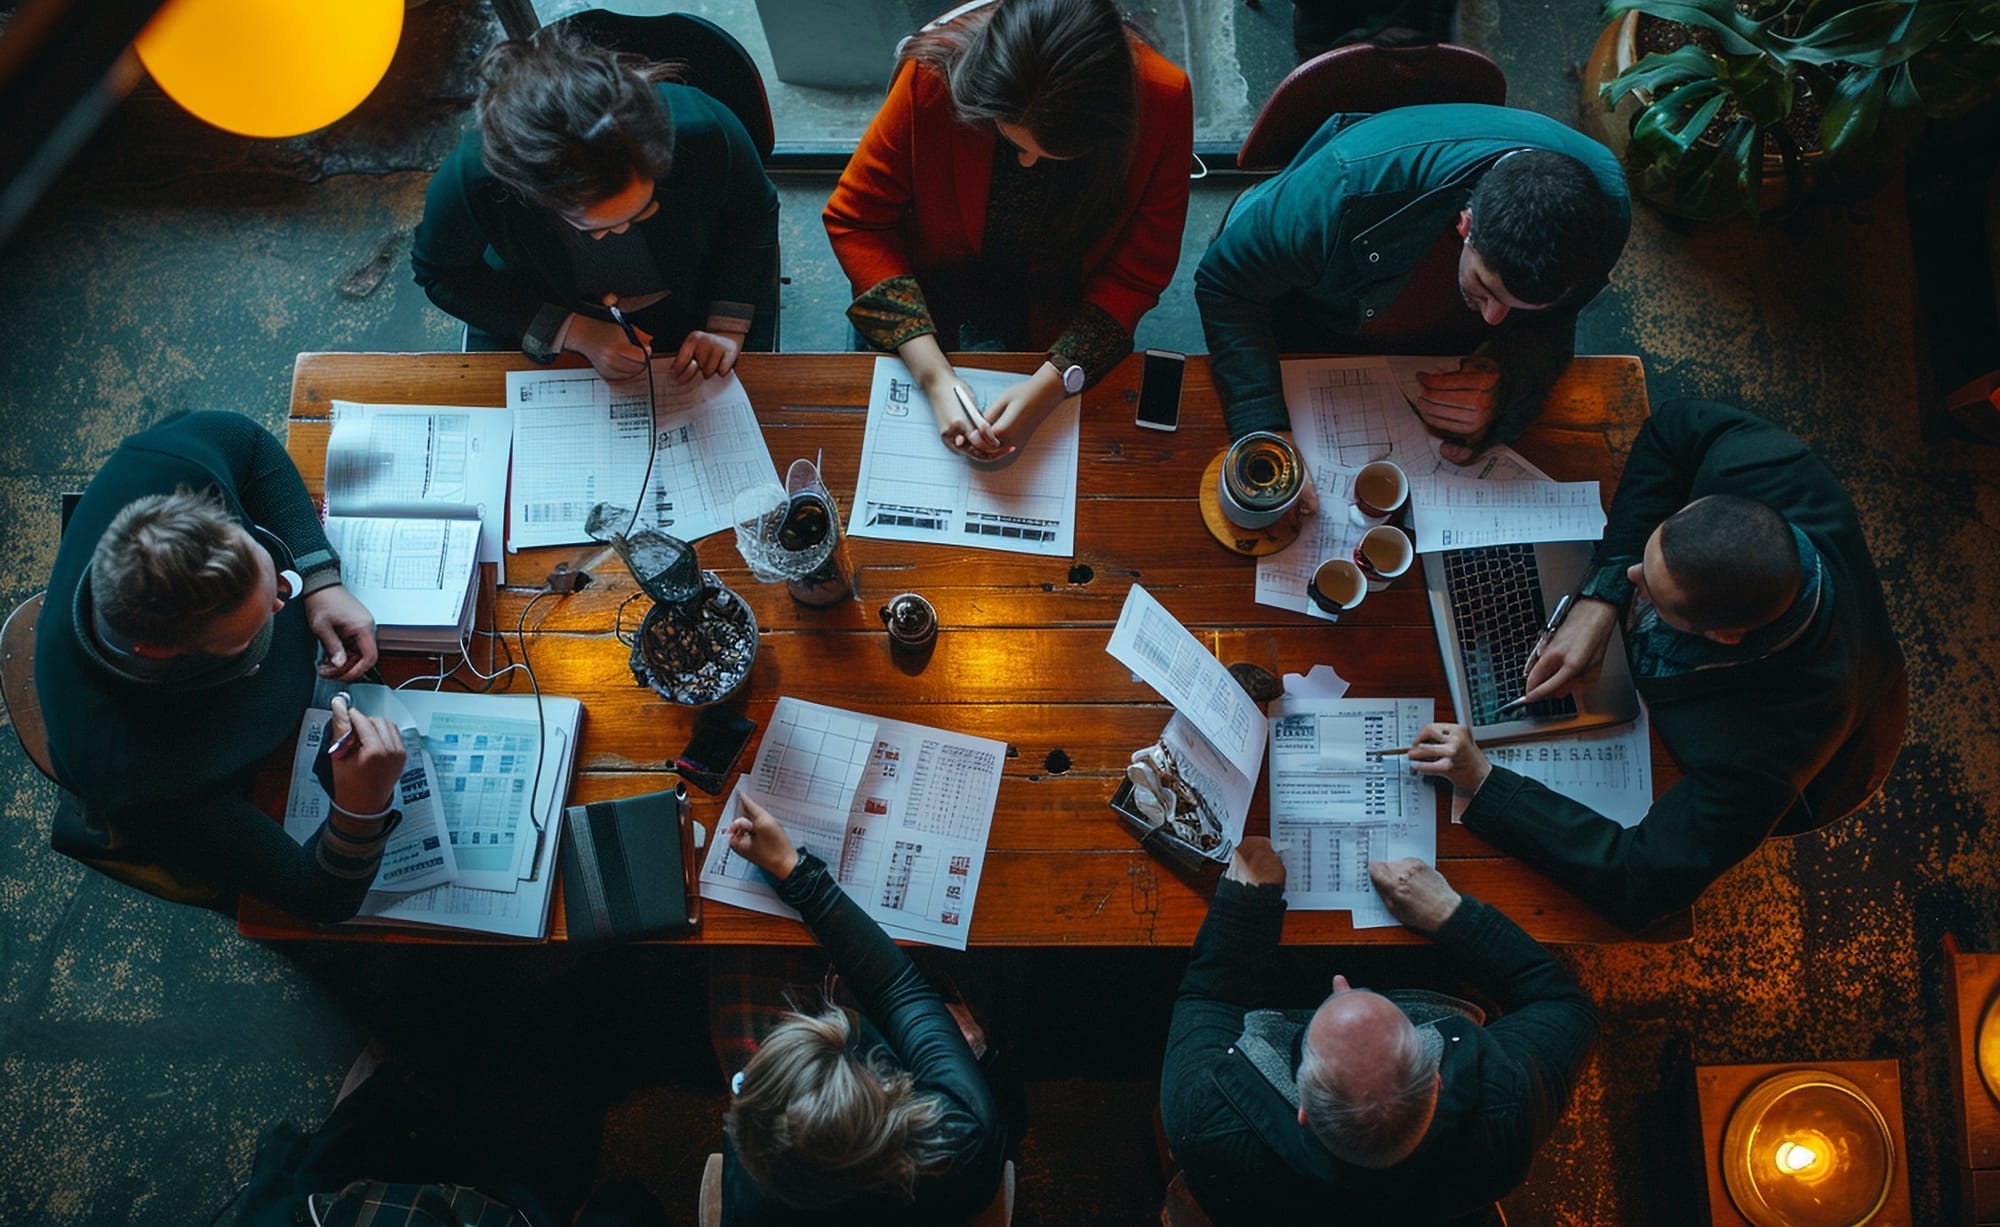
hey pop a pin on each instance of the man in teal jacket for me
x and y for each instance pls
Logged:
(1418, 230)
(1757, 635)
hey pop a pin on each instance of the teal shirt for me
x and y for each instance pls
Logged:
(1337, 233)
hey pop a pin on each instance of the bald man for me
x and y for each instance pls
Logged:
(1398, 1107)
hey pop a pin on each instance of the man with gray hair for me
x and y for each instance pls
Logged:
(1404, 1107)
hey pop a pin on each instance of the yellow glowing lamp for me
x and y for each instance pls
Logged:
(1807, 1148)
(270, 67)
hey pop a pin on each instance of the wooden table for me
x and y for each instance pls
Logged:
(1020, 657)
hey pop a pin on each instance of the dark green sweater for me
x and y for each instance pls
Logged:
(1782, 743)
(490, 258)
(169, 766)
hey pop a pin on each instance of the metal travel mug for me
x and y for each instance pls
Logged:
(1262, 475)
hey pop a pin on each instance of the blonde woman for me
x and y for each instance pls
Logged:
(879, 1116)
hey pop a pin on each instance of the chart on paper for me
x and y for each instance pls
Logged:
(813, 754)
(485, 767)
(1334, 806)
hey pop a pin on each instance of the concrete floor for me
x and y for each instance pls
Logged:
(142, 1047)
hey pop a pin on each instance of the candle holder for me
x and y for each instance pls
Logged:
(1816, 1145)
(1972, 1007)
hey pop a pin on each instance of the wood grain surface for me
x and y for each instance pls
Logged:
(1020, 655)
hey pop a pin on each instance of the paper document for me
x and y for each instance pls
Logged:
(914, 488)
(409, 573)
(1159, 650)
(1609, 770)
(1346, 413)
(1334, 808)
(421, 461)
(418, 854)
(580, 441)
(1455, 513)
(908, 845)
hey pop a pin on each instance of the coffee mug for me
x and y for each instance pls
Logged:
(1384, 553)
(1380, 489)
(1337, 586)
(1261, 477)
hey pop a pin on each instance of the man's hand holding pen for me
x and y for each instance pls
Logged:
(366, 753)
(1571, 653)
(1448, 750)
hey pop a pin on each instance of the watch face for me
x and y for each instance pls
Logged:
(1073, 380)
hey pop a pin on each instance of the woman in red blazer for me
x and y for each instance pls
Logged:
(1023, 186)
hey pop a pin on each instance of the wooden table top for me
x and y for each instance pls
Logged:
(1020, 655)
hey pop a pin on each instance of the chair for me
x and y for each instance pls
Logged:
(999, 1213)
(716, 64)
(1364, 78)
(75, 833)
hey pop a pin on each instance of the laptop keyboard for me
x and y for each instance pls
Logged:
(1496, 604)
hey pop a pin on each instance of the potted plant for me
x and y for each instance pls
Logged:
(1721, 108)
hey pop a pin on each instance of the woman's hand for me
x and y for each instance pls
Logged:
(756, 836)
(933, 373)
(1022, 407)
(707, 354)
(604, 345)
(1449, 750)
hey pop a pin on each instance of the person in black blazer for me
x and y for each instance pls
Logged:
(592, 183)
(1757, 635)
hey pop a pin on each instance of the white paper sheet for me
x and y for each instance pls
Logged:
(1455, 513)
(409, 573)
(1213, 778)
(909, 847)
(914, 488)
(813, 756)
(580, 441)
(1334, 809)
(418, 854)
(422, 460)
(1346, 413)
(1609, 770)
(1318, 682)
(1159, 650)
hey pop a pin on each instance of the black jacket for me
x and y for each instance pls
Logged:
(908, 1018)
(1246, 1157)
(1239, 1142)
(1783, 744)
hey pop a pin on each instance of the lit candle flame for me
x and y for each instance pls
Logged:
(1794, 1158)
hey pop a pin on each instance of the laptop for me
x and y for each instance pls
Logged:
(1489, 606)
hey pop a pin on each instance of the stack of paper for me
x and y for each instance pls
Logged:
(477, 846)
(899, 812)
(415, 496)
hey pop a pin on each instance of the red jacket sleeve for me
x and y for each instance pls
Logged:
(1140, 261)
(865, 214)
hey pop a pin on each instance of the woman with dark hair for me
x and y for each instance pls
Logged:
(880, 1116)
(592, 182)
(1024, 186)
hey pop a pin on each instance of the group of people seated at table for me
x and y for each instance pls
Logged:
(1024, 187)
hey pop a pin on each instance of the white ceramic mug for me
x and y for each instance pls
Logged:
(1384, 553)
(1337, 586)
(1379, 491)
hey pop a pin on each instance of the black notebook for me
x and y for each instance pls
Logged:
(625, 869)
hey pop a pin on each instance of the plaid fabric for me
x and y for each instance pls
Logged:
(748, 999)
(371, 1203)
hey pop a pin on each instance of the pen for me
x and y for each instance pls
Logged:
(1388, 753)
(631, 333)
(340, 742)
(1542, 641)
(971, 410)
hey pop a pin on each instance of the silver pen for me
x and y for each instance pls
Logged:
(1542, 641)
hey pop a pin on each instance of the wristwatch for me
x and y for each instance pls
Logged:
(1072, 376)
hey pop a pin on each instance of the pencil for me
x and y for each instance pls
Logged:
(972, 414)
(1388, 753)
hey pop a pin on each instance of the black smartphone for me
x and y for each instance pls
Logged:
(718, 741)
(1160, 390)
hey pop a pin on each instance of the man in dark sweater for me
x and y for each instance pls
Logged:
(1757, 636)
(1399, 1109)
(1429, 229)
(191, 591)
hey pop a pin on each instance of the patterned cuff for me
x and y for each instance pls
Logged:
(543, 339)
(1094, 341)
(1608, 583)
(730, 317)
(892, 312)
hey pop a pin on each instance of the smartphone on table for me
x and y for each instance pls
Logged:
(1160, 390)
(718, 741)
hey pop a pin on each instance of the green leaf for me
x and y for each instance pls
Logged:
(1762, 88)
(1660, 72)
(1854, 110)
(1738, 33)
(1876, 35)
(1716, 180)
(1666, 130)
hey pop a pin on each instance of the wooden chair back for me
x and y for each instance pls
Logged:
(1368, 79)
(17, 682)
